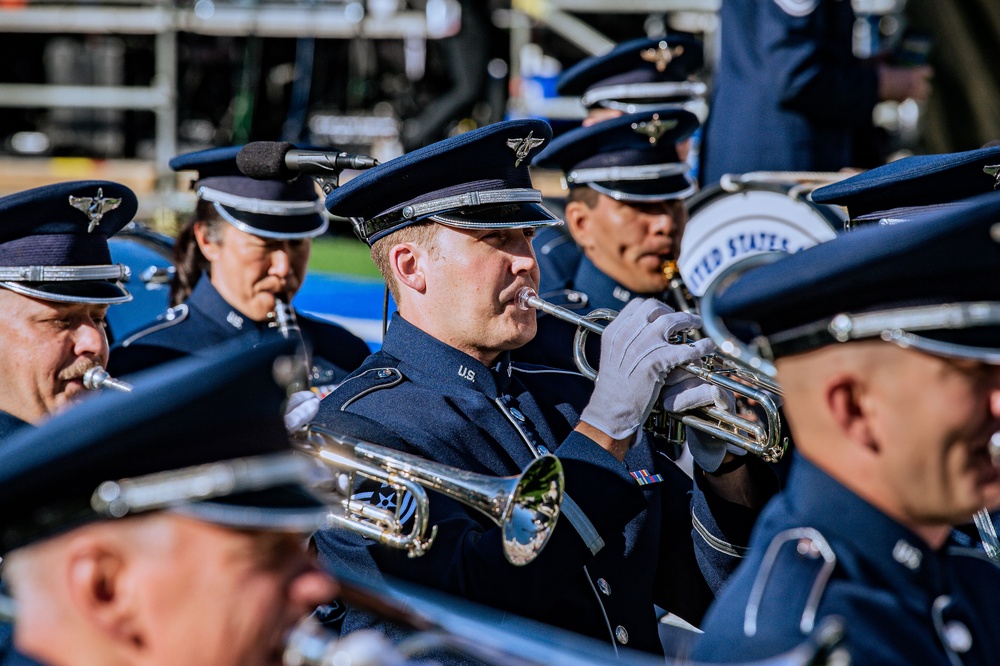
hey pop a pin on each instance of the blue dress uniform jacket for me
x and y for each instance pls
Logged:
(15, 658)
(10, 424)
(206, 320)
(789, 93)
(820, 550)
(430, 399)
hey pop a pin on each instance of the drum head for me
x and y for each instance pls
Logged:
(725, 227)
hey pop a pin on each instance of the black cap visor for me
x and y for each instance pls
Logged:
(506, 216)
(77, 291)
(274, 226)
(656, 189)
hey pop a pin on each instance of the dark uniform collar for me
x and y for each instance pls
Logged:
(602, 291)
(427, 359)
(15, 658)
(209, 301)
(9, 424)
(904, 561)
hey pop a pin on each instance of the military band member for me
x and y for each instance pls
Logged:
(245, 249)
(636, 76)
(885, 342)
(625, 209)
(450, 228)
(898, 191)
(57, 282)
(164, 526)
(790, 95)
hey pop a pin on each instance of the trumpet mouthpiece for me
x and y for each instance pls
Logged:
(524, 296)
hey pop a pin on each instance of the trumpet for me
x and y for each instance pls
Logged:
(752, 437)
(675, 284)
(526, 507)
(98, 378)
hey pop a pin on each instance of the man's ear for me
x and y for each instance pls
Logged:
(578, 221)
(208, 248)
(848, 402)
(408, 264)
(104, 592)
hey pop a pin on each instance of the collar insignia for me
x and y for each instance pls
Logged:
(522, 147)
(993, 170)
(94, 207)
(661, 55)
(654, 128)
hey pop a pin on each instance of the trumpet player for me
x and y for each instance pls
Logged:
(450, 228)
(645, 74)
(892, 382)
(625, 209)
(242, 256)
(57, 283)
(122, 546)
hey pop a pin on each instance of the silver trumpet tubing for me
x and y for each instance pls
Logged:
(284, 319)
(764, 441)
(676, 286)
(98, 378)
(449, 630)
(526, 507)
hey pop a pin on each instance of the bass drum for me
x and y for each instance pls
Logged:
(726, 226)
(148, 255)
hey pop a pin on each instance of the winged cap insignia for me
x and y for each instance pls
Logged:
(94, 207)
(522, 147)
(993, 170)
(661, 55)
(654, 128)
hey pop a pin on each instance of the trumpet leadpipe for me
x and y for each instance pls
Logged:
(98, 378)
(765, 442)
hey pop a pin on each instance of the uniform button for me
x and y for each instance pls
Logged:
(958, 637)
(621, 634)
(544, 450)
(516, 413)
(383, 373)
(603, 586)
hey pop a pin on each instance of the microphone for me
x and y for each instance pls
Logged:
(280, 160)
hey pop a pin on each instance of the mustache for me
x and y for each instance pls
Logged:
(78, 369)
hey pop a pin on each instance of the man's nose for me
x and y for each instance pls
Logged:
(280, 262)
(91, 340)
(312, 588)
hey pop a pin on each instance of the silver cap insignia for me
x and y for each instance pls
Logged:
(661, 55)
(654, 128)
(522, 147)
(94, 207)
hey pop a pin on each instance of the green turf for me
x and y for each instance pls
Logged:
(334, 254)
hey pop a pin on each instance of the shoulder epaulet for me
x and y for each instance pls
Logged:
(571, 299)
(171, 317)
(793, 574)
(374, 379)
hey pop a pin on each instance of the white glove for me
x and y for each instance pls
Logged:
(707, 451)
(636, 359)
(300, 410)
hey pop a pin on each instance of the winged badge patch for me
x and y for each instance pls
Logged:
(522, 147)
(654, 128)
(661, 55)
(94, 207)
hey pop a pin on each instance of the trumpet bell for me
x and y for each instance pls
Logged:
(525, 507)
